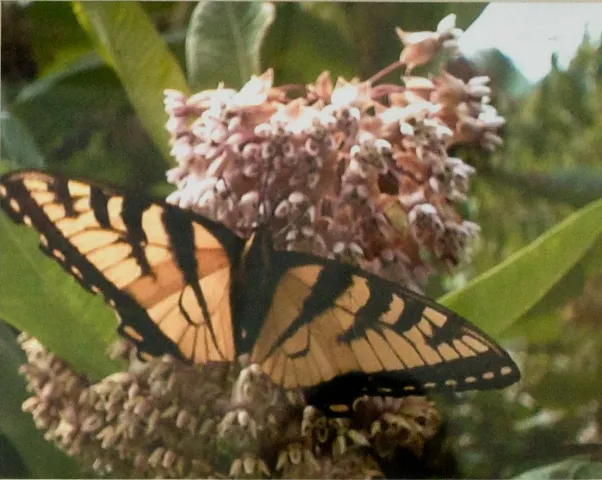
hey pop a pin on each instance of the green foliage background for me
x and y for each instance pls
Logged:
(82, 95)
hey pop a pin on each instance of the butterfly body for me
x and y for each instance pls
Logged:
(188, 286)
(253, 286)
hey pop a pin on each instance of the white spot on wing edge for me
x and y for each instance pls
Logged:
(15, 205)
(76, 272)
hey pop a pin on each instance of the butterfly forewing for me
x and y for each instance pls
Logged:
(165, 270)
(351, 333)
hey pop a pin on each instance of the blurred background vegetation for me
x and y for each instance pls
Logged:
(80, 95)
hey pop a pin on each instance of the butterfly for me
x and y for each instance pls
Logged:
(185, 285)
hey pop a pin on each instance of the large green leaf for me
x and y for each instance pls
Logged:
(42, 459)
(536, 329)
(130, 44)
(543, 323)
(37, 296)
(224, 40)
(498, 298)
(594, 264)
(303, 43)
(56, 37)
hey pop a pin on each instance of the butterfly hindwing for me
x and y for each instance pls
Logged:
(341, 333)
(165, 270)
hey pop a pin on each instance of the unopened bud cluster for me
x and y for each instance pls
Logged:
(324, 168)
(165, 419)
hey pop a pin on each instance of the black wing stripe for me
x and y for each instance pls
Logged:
(99, 202)
(61, 189)
(329, 285)
(181, 235)
(182, 239)
(131, 214)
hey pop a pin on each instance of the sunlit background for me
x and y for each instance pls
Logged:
(529, 33)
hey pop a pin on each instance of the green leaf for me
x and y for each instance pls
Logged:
(569, 287)
(43, 460)
(224, 40)
(12, 465)
(331, 14)
(37, 297)
(536, 329)
(45, 84)
(301, 44)
(18, 145)
(543, 323)
(56, 37)
(573, 468)
(130, 44)
(498, 298)
(594, 259)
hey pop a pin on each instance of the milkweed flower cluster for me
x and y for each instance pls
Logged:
(327, 165)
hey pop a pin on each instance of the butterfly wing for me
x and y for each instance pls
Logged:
(341, 333)
(166, 271)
